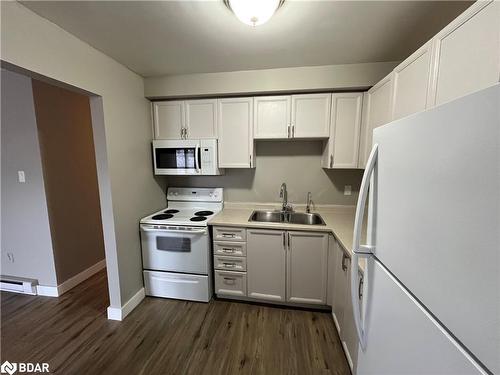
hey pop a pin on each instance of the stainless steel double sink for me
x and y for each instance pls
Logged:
(288, 217)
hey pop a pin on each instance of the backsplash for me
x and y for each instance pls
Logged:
(297, 163)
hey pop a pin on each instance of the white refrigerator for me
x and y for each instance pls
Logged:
(431, 301)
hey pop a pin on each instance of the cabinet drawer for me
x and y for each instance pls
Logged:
(231, 283)
(230, 234)
(230, 263)
(238, 249)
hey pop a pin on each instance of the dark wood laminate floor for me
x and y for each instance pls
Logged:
(161, 336)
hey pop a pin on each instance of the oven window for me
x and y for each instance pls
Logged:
(177, 244)
(175, 158)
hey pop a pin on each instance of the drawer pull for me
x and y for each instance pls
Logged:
(228, 249)
(230, 280)
(230, 265)
(228, 235)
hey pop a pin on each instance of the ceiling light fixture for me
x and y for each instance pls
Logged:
(254, 12)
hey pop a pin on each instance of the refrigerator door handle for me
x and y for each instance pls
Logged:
(360, 207)
(361, 250)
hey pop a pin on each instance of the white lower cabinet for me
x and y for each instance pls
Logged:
(266, 257)
(349, 335)
(287, 266)
(341, 304)
(307, 267)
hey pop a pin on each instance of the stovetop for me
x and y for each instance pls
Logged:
(188, 207)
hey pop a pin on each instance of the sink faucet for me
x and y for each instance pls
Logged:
(284, 195)
(308, 202)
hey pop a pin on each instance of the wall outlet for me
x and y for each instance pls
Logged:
(10, 257)
(21, 177)
(347, 190)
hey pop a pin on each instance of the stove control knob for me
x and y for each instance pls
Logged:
(176, 193)
(210, 194)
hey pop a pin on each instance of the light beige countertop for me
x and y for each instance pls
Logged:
(339, 221)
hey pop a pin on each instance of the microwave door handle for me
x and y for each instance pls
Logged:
(196, 153)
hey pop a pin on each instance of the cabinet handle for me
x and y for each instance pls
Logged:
(228, 249)
(293, 131)
(230, 265)
(232, 279)
(288, 131)
(360, 289)
(284, 244)
(227, 235)
(250, 161)
(331, 160)
(344, 257)
(288, 235)
(182, 133)
(185, 133)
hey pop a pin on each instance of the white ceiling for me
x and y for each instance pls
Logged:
(176, 37)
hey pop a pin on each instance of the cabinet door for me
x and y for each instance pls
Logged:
(377, 112)
(345, 129)
(266, 257)
(412, 83)
(272, 117)
(349, 334)
(168, 118)
(201, 118)
(340, 287)
(467, 53)
(235, 128)
(307, 267)
(311, 115)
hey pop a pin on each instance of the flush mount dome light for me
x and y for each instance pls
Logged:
(254, 12)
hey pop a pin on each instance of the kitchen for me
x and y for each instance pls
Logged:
(267, 193)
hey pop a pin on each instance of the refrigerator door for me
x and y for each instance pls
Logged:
(402, 338)
(436, 215)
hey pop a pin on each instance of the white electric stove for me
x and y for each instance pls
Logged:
(176, 245)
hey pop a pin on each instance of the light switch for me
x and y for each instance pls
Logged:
(347, 190)
(21, 177)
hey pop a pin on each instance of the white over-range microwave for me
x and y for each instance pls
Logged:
(186, 157)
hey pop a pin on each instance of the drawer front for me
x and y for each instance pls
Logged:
(178, 286)
(238, 249)
(230, 263)
(231, 283)
(230, 234)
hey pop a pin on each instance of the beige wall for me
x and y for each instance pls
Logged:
(24, 213)
(38, 45)
(313, 78)
(297, 163)
(69, 167)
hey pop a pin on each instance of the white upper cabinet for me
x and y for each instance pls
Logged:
(272, 117)
(307, 267)
(341, 150)
(467, 53)
(377, 112)
(266, 269)
(311, 116)
(412, 83)
(235, 131)
(201, 118)
(168, 119)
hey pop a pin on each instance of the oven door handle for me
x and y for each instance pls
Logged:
(198, 231)
(196, 153)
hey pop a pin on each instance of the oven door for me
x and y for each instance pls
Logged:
(177, 157)
(183, 249)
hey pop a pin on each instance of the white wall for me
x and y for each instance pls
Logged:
(24, 214)
(38, 45)
(298, 163)
(312, 78)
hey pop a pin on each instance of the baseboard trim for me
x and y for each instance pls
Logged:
(117, 313)
(47, 291)
(82, 276)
